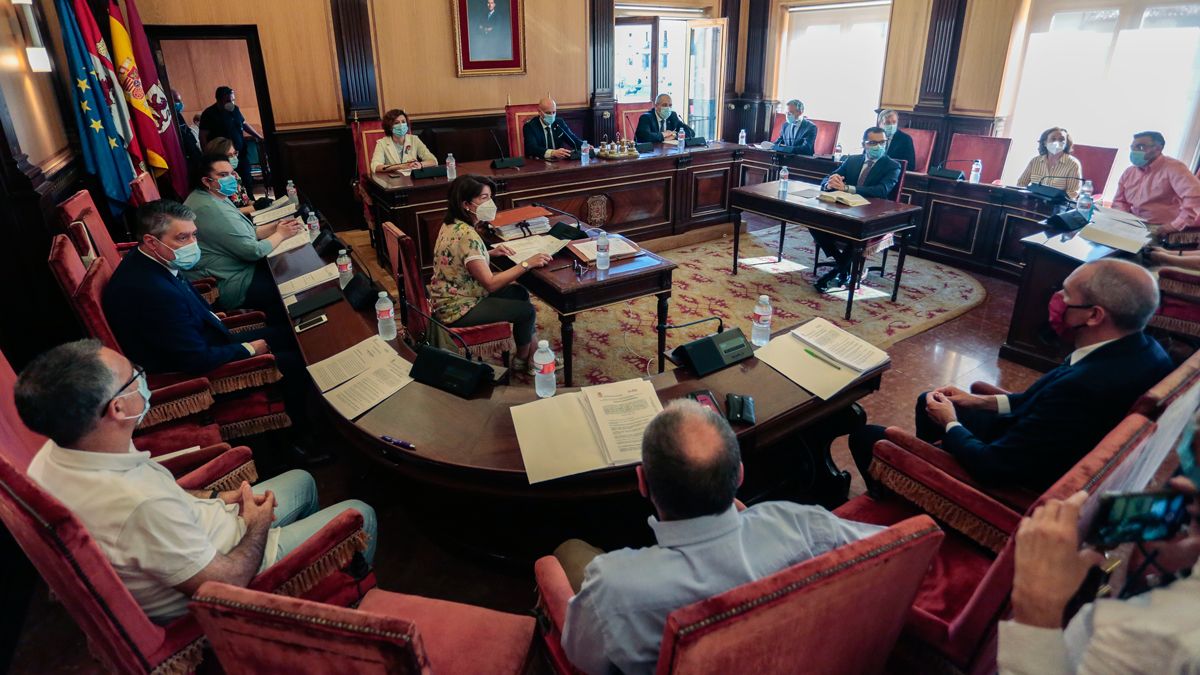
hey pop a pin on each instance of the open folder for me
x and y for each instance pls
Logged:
(593, 428)
(821, 357)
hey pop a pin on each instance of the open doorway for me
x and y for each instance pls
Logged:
(195, 61)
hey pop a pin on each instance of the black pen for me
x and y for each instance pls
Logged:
(399, 443)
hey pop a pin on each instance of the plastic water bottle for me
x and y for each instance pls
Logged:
(976, 171)
(742, 137)
(585, 153)
(385, 313)
(543, 363)
(760, 332)
(314, 226)
(837, 152)
(291, 193)
(783, 180)
(345, 268)
(602, 251)
(451, 167)
(1087, 188)
(680, 140)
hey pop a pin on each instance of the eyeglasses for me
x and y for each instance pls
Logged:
(874, 144)
(138, 371)
(1143, 146)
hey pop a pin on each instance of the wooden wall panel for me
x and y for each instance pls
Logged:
(991, 30)
(907, 35)
(198, 67)
(36, 116)
(298, 50)
(415, 61)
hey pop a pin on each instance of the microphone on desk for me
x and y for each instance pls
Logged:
(504, 162)
(950, 174)
(1049, 193)
(578, 222)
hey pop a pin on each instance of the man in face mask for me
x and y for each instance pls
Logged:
(899, 144)
(223, 119)
(661, 124)
(547, 136)
(1030, 439)
(872, 174)
(190, 142)
(1161, 190)
(798, 134)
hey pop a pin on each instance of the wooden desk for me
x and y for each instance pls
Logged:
(626, 279)
(1050, 257)
(856, 225)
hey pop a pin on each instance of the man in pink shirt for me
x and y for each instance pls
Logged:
(1161, 190)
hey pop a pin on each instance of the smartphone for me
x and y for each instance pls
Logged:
(1137, 517)
(706, 398)
(311, 323)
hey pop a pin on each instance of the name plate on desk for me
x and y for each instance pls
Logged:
(714, 352)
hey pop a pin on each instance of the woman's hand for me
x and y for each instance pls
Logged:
(501, 250)
(538, 260)
(415, 164)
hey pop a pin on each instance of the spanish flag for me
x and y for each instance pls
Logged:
(142, 103)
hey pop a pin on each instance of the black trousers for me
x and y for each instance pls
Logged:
(835, 248)
(510, 304)
(263, 295)
(296, 384)
(985, 425)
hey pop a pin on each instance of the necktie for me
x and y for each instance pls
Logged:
(862, 176)
(662, 124)
(549, 137)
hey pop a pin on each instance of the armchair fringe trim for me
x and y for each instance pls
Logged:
(247, 327)
(1179, 288)
(247, 472)
(210, 296)
(335, 559)
(178, 409)
(184, 661)
(485, 350)
(1183, 238)
(983, 533)
(1173, 325)
(250, 380)
(257, 425)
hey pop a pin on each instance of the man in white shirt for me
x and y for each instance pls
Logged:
(163, 541)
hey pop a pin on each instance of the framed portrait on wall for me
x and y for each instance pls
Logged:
(489, 37)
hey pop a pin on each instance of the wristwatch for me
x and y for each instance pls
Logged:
(524, 264)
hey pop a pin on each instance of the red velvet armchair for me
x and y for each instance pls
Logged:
(628, 115)
(1097, 163)
(481, 341)
(965, 148)
(953, 620)
(827, 133)
(788, 622)
(515, 117)
(143, 189)
(923, 141)
(254, 633)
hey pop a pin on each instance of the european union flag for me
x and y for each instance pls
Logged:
(104, 152)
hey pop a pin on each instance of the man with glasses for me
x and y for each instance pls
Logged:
(162, 541)
(1032, 438)
(1160, 190)
(798, 135)
(871, 174)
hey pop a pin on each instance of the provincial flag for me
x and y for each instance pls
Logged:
(158, 105)
(105, 153)
(145, 127)
(102, 64)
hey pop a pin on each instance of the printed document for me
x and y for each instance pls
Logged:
(525, 248)
(307, 281)
(617, 247)
(291, 243)
(272, 214)
(821, 357)
(1117, 229)
(329, 373)
(622, 410)
(370, 388)
(840, 345)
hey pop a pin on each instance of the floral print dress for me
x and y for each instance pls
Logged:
(453, 291)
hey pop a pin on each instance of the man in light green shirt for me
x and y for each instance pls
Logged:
(231, 246)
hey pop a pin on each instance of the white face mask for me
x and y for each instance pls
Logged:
(1055, 147)
(486, 212)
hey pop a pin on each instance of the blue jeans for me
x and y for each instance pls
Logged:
(299, 515)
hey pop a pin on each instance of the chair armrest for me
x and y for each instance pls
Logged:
(1179, 282)
(255, 371)
(175, 435)
(178, 400)
(987, 389)
(225, 472)
(124, 247)
(186, 462)
(554, 592)
(324, 553)
(240, 323)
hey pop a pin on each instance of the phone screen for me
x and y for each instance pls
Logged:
(310, 323)
(1137, 517)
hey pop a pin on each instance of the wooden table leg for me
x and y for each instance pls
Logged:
(737, 237)
(568, 337)
(900, 264)
(860, 258)
(782, 234)
(662, 327)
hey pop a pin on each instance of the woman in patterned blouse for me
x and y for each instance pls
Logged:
(1054, 160)
(464, 290)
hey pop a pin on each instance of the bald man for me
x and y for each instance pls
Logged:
(691, 469)
(1033, 438)
(547, 137)
(661, 124)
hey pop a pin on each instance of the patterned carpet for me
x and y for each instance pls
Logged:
(619, 342)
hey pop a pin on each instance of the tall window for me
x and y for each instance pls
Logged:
(1105, 70)
(854, 36)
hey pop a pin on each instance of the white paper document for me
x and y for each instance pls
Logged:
(533, 226)
(329, 373)
(370, 388)
(270, 215)
(839, 345)
(525, 248)
(307, 281)
(617, 247)
(298, 240)
(1117, 229)
(582, 431)
(825, 365)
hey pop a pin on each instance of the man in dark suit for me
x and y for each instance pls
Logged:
(660, 124)
(546, 136)
(798, 136)
(900, 144)
(1033, 438)
(871, 174)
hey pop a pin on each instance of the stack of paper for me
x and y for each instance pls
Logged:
(1120, 230)
(292, 243)
(525, 248)
(273, 205)
(532, 226)
(821, 357)
(382, 378)
(274, 213)
(307, 281)
(618, 247)
(582, 431)
(329, 373)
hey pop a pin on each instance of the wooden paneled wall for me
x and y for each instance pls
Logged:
(908, 32)
(298, 50)
(198, 67)
(415, 61)
(991, 34)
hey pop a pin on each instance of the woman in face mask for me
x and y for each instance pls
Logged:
(399, 148)
(1054, 163)
(224, 146)
(464, 291)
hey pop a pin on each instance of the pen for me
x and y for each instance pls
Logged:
(399, 443)
(806, 349)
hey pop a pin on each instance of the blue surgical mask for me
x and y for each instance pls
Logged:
(227, 185)
(143, 390)
(1138, 157)
(178, 106)
(791, 119)
(186, 257)
(400, 130)
(874, 152)
(664, 113)
(889, 129)
(233, 161)
(549, 119)
(1187, 457)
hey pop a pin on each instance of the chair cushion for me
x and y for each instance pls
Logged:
(460, 638)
